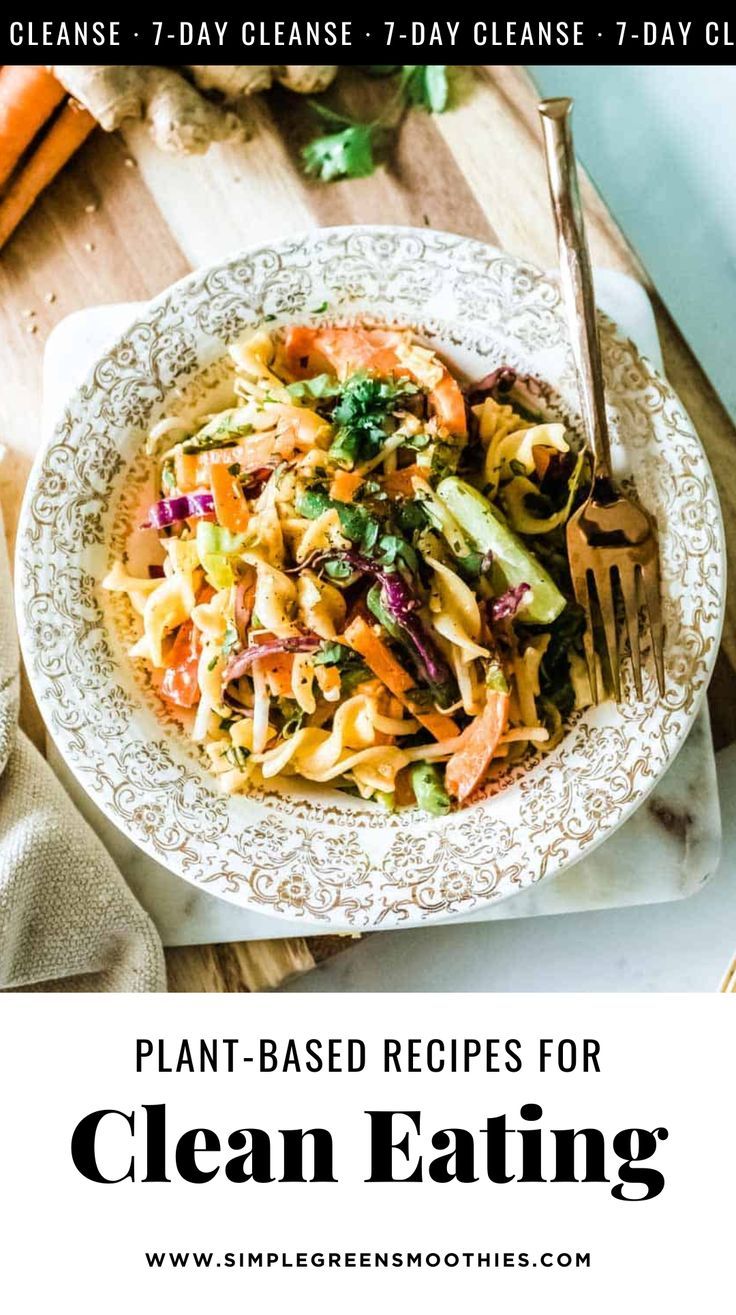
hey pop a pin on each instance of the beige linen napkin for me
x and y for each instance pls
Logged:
(68, 922)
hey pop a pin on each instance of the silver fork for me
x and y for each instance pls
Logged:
(611, 542)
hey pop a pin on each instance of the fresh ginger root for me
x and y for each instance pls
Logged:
(307, 79)
(232, 81)
(236, 80)
(179, 116)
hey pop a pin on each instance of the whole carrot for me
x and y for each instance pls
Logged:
(29, 94)
(63, 138)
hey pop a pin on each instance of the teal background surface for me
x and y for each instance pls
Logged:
(660, 144)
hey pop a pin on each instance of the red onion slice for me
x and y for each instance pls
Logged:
(238, 665)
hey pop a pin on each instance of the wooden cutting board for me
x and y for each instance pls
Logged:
(123, 221)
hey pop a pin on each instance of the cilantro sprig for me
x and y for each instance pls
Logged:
(349, 151)
(363, 414)
(344, 154)
(427, 87)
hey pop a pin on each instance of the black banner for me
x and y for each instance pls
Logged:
(367, 35)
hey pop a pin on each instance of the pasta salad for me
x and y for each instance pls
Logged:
(358, 571)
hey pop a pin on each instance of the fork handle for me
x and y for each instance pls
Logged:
(575, 274)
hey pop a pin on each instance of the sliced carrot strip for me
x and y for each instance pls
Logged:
(278, 672)
(192, 469)
(180, 684)
(345, 485)
(186, 470)
(378, 656)
(299, 345)
(231, 508)
(469, 764)
(313, 350)
(398, 483)
(449, 405)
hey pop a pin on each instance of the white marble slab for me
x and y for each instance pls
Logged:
(665, 852)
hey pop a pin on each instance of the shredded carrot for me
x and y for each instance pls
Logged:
(231, 509)
(345, 485)
(298, 346)
(438, 724)
(63, 138)
(309, 350)
(277, 669)
(192, 469)
(360, 635)
(180, 683)
(447, 399)
(29, 94)
(469, 764)
(186, 470)
(398, 483)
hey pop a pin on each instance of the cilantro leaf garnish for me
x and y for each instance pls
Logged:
(362, 413)
(427, 86)
(349, 152)
(355, 521)
(345, 154)
(393, 550)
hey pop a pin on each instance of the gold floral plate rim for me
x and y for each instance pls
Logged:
(331, 860)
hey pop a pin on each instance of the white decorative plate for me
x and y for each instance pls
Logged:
(313, 852)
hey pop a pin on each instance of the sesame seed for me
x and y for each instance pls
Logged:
(27, 313)
(32, 328)
(89, 246)
(90, 209)
(129, 162)
(50, 298)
